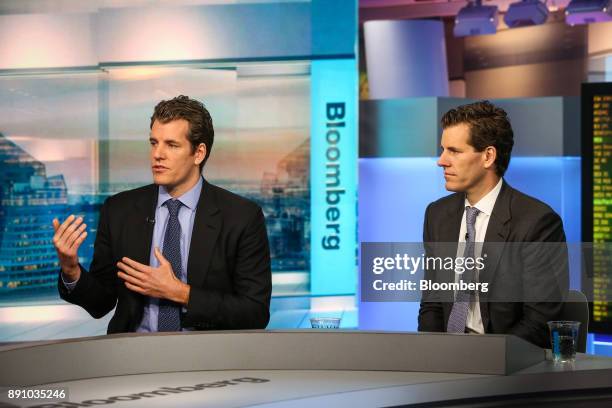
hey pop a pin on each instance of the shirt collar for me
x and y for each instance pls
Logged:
(189, 198)
(485, 204)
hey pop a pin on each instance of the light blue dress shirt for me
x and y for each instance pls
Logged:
(186, 218)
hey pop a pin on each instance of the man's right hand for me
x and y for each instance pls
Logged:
(67, 239)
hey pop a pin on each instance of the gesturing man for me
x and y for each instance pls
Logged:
(179, 254)
(528, 278)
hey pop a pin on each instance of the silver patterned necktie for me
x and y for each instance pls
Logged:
(169, 312)
(458, 315)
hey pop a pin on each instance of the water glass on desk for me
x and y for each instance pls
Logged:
(325, 322)
(563, 338)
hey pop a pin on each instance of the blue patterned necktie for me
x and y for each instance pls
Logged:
(169, 312)
(458, 315)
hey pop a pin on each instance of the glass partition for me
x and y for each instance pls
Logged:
(68, 141)
(48, 168)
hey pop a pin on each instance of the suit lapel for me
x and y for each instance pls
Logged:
(206, 229)
(497, 234)
(449, 233)
(138, 245)
(142, 228)
(452, 225)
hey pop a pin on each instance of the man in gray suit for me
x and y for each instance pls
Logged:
(525, 285)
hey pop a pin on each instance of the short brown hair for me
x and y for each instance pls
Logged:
(200, 123)
(489, 126)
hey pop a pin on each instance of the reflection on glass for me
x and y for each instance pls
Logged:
(48, 168)
(68, 141)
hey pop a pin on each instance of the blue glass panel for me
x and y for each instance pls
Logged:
(333, 176)
(393, 195)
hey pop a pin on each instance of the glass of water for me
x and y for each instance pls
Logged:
(325, 322)
(563, 337)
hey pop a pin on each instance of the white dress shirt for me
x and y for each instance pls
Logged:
(485, 206)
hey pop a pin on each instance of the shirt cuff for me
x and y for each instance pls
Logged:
(68, 285)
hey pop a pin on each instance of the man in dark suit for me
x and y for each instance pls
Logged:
(525, 255)
(180, 254)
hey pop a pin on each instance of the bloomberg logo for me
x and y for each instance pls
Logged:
(159, 392)
(335, 113)
(333, 176)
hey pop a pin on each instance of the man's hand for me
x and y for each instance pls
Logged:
(67, 239)
(156, 282)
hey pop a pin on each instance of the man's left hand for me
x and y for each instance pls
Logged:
(157, 282)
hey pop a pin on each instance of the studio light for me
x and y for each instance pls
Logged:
(476, 19)
(526, 13)
(588, 11)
